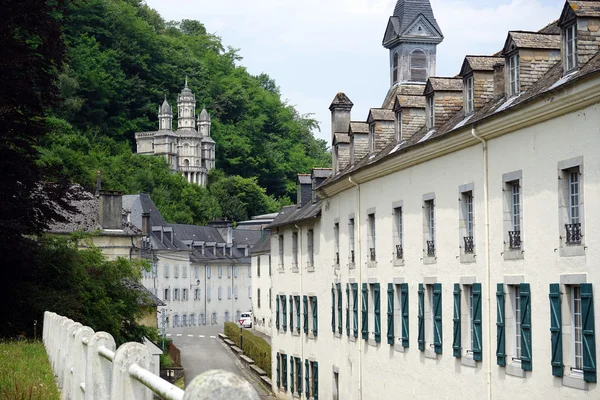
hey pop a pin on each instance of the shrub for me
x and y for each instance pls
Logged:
(254, 347)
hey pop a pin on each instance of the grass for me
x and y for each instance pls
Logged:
(180, 383)
(25, 372)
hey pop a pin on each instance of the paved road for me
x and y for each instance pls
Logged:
(201, 351)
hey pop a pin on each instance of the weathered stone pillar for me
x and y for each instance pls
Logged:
(79, 361)
(123, 385)
(99, 369)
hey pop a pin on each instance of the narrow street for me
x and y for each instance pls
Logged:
(201, 351)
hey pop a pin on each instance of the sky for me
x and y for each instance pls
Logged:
(316, 48)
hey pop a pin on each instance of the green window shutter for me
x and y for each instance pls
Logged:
(306, 378)
(299, 375)
(589, 336)
(277, 312)
(500, 337)
(297, 314)
(377, 311)
(525, 293)
(556, 330)
(291, 374)
(421, 318)
(315, 372)
(477, 339)
(404, 298)
(347, 309)
(437, 318)
(278, 376)
(390, 313)
(332, 309)
(355, 309)
(284, 372)
(456, 339)
(315, 311)
(364, 315)
(305, 301)
(339, 310)
(284, 305)
(291, 313)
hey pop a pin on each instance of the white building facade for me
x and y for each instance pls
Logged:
(458, 261)
(261, 282)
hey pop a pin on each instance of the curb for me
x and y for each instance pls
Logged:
(258, 373)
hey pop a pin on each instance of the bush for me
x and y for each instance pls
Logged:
(255, 347)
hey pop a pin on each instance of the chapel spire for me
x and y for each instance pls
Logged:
(186, 108)
(165, 116)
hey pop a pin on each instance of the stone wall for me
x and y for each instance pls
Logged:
(483, 88)
(588, 39)
(413, 119)
(533, 64)
(446, 104)
(384, 134)
(343, 155)
(361, 146)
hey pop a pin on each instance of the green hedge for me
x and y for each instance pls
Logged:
(255, 347)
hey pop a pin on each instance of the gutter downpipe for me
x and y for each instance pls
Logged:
(487, 255)
(359, 259)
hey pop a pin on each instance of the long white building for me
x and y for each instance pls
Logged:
(452, 253)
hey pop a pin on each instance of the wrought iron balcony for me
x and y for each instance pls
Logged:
(372, 253)
(352, 256)
(431, 248)
(573, 233)
(399, 252)
(469, 245)
(514, 238)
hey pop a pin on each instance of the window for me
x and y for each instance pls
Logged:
(208, 293)
(250, 291)
(418, 66)
(235, 291)
(430, 112)
(336, 385)
(166, 270)
(281, 372)
(208, 269)
(175, 320)
(469, 95)
(196, 272)
(280, 239)
(297, 304)
(184, 320)
(220, 293)
(311, 314)
(398, 125)
(184, 294)
(355, 309)
(513, 216)
(430, 317)
(513, 74)
(516, 322)
(250, 271)
(371, 236)
(372, 137)
(197, 294)
(229, 272)
(192, 319)
(270, 271)
(176, 271)
(336, 243)
(294, 250)
(310, 237)
(235, 272)
(374, 306)
(214, 318)
(226, 316)
(311, 378)
(258, 297)
(220, 272)
(398, 249)
(466, 224)
(577, 325)
(395, 69)
(166, 296)
(570, 47)
(429, 209)
(184, 270)
(228, 292)
(351, 240)
(398, 296)
(258, 266)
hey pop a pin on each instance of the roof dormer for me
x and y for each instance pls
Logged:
(381, 128)
(528, 56)
(359, 140)
(409, 115)
(477, 73)
(444, 98)
(580, 33)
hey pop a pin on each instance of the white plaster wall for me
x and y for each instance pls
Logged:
(262, 315)
(380, 369)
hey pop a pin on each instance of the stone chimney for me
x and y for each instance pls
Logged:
(446, 97)
(304, 193)
(340, 108)
(340, 151)
(145, 223)
(111, 209)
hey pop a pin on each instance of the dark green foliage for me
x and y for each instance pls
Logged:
(255, 347)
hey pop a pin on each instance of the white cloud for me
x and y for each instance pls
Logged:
(316, 48)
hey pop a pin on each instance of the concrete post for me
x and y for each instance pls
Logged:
(79, 361)
(62, 349)
(68, 365)
(219, 385)
(98, 369)
(123, 385)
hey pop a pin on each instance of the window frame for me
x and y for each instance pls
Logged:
(398, 233)
(570, 47)
(466, 223)
(571, 227)
(513, 219)
(371, 238)
(469, 83)
(351, 242)
(430, 112)
(310, 248)
(429, 229)
(295, 250)
(395, 63)
(514, 64)
(414, 69)
(336, 243)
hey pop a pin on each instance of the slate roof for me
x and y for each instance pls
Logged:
(341, 138)
(359, 127)
(293, 214)
(408, 101)
(146, 295)
(483, 63)
(321, 172)
(246, 236)
(380, 114)
(585, 8)
(340, 99)
(407, 11)
(534, 40)
(444, 84)
(263, 245)
(304, 179)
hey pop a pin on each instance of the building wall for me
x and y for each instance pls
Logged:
(371, 370)
(262, 309)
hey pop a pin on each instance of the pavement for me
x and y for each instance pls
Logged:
(201, 351)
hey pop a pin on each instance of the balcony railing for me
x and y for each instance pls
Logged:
(431, 248)
(372, 253)
(399, 252)
(514, 240)
(352, 256)
(573, 233)
(469, 246)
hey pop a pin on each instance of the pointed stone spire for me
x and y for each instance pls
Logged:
(186, 107)
(165, 116)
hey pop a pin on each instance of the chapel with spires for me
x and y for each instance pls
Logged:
(189, 149)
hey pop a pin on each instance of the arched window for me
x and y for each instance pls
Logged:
(186, 163)
(418, 66)
(395, 69)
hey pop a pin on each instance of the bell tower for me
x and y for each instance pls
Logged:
(186, 109)
(165, 116)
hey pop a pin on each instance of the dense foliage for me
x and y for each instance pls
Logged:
(122, 59)
(254, 347)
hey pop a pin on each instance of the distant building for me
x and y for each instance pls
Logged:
(188, 150)
(261, 284)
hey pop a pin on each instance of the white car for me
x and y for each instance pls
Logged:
(246, 319)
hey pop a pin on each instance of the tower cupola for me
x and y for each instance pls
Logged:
(186, 108)
(165, 116)
(204, 123)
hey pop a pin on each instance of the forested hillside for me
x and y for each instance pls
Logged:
(122, 59)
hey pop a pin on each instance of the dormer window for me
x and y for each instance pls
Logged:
(513, 72)
(430, 113)
(395, 69)
(398, 125)
(372, 137)
(469, 103)
(570, 47)
(418, 66)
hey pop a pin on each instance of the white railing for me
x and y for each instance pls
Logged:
(88, 366)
